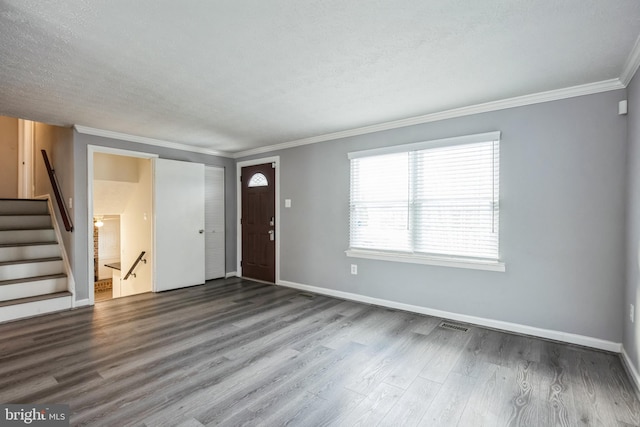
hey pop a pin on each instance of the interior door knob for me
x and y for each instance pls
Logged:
(200, 231)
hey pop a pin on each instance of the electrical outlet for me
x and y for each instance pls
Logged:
(354, 269)
(632, 312)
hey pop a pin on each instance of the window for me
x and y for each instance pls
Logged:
(433, 202)
(258, 180)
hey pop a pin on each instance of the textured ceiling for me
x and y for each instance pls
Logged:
(234, 75)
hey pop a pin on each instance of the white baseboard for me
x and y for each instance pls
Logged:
(81, 303)
(631, 370)
(230, 274)
(490, 323)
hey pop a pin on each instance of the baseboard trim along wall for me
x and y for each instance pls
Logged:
(81, 303)
(631, 370)
(230, 274)
(480, 321)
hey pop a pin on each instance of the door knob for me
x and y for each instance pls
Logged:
(200, 231)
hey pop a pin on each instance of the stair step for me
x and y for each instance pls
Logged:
(15, 245)
(32, 279)
(36, 298)
(30, 261)
(32, 286)
(27, 236)
(35, 306)
(23, 206)
(30, 268)
(9, 253)
(24, 222)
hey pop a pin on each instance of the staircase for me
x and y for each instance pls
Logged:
(33, 277)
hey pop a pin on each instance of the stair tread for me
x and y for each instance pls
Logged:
(24, 214)
(32, 279)
(10, 199)
(31, 261)
(11, 245)
(26, 229)
(61, 294)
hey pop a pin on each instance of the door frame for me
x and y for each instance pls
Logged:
(224, 217)
(26, 157)
(91, 150)
(239, 165)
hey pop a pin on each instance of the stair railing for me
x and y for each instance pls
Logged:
(64, 213)
(135, 264)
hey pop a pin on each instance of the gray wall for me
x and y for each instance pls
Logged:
(79, 242)
(632, 296)
(561, 220)
(61, 157)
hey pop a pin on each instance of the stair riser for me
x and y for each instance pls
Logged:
(9, 207)
(32, 289)
(35, 308)
(17, 253)
(27, 236)
(31, 269)
(20, 222)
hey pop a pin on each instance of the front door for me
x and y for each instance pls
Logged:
(258, 222)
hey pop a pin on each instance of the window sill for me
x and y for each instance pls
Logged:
(428, 260)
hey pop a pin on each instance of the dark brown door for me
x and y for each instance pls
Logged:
(258, 222)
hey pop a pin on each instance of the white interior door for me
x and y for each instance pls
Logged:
(214, 223)
(179, 224)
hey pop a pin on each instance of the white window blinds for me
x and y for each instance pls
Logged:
(437, 198)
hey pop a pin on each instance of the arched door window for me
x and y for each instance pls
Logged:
(258, 180)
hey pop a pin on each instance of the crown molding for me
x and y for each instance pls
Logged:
(519, 101)
(632, 64)
(150, 141)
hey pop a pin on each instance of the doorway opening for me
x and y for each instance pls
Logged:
(121, 209)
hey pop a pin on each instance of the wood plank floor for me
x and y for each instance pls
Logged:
(235, 352)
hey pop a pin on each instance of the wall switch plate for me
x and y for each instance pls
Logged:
(70, 202)
(287, 203)
(354, 269)
(632, 312)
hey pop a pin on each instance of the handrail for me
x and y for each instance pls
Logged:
(135, 264)
(66, 218)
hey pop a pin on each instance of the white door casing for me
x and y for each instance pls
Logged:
(26, 158)
(239, 165)
(91, 150)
